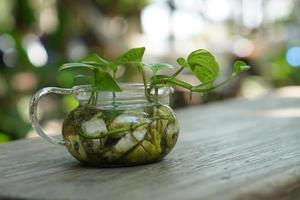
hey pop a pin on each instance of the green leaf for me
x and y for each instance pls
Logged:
(94, 59)
(240, 66)
(203, 65)
(181, 61)
(113, 66)
(155, 67)
(76, 65)
(133, 55)
(105, 82)
(81, 76)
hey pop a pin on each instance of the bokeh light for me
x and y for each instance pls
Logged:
(76, 49)
(243, 47)
(186, 24)
(7, 47)
(7, 42)
(36, 51)
(156, 20)
(278, 9)
(218, 10)
(293, 56)
(24, 81)
(252, 13)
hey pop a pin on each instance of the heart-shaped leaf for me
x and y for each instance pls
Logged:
(239, 66)
(203, 65)
(131, 56)
(105, 82)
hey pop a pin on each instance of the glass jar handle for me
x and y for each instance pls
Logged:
(33, 111)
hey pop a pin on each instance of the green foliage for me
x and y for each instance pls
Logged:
(94, 59)
(101, 79)
(240, 66)
(134, 55)
(77, 65)
(162, 79)
(69, 103)
(204, 66)
(182, 62)
(65, 79)
(201, 63)
(83, 77)
(20, 22)
(155, 67)
(105, 82)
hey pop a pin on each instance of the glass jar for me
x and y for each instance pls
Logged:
(116, 129)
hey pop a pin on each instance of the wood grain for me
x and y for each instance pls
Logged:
(236, 149)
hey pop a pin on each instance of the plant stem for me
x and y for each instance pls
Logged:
(147, 93)
(168, 80)
(155, 95)
(199, 89)
(114, 93)
(177, 72)
(155, 90)
(191, 88)
(112, 132)
(92, 100)
(119, 130)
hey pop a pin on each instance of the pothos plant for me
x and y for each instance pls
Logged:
(201, 63)
(141, 134)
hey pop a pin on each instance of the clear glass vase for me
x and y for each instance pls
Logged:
(115, 129)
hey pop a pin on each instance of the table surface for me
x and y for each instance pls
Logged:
(237, 149)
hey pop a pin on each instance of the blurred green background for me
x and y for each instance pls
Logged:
(37, 36)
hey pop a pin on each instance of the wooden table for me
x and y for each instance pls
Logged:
(237, 149)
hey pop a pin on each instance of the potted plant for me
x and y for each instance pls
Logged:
(124, 124)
